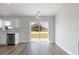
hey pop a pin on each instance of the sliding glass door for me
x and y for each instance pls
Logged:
(39, 31)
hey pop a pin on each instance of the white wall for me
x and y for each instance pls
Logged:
(15, 23)
(24, 24)
(67, 28)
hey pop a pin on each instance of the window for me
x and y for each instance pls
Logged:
(0, 23)
(7, 23)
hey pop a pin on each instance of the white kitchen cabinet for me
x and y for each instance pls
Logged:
(3, 38)
(16, 38)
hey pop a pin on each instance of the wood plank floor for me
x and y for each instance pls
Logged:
(32, 49)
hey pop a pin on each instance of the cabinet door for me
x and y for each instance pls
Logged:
(2, 40)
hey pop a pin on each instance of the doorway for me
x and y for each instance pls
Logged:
(39, 31)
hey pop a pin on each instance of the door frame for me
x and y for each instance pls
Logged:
(38, 22)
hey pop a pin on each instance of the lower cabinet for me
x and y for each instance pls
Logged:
(9, 38)
(2, 39)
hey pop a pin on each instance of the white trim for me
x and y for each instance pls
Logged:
(48, 31)
(24, 41)
(64, 49)
(30, 31)
(51, 42)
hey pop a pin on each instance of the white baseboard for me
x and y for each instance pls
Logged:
(24, 41)
(64, 49)
(51, 41)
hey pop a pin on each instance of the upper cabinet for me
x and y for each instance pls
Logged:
(15, 23)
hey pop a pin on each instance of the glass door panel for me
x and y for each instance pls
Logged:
(39, 31)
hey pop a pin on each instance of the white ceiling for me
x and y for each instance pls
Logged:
(29, 9)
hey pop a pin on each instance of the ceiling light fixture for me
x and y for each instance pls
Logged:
(38, 16)
(8, 3)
